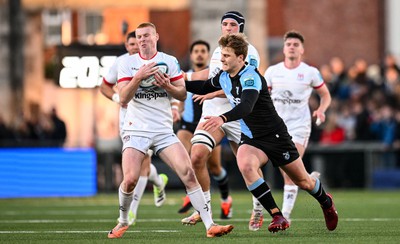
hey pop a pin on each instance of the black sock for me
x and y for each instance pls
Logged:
(223, 187)
(319, 193)
(264, 196)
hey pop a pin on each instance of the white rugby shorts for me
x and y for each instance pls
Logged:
(231, 129)
(300, 135)
(153, 141)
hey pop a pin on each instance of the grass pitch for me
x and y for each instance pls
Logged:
(364, 217)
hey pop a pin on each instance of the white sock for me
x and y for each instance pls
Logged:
(207, 196)
(154, 178)
(199, 203)
(256, 204)
(125, 200)
(138, 193)
(289, 198)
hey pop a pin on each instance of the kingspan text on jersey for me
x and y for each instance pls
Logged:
(150, 95)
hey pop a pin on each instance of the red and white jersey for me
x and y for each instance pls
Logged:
(111, 79)
(219, 105)
(290, 93)
(149, 111)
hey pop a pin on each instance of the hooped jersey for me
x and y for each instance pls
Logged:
(149, 111)
(219, 105)
(291, 90)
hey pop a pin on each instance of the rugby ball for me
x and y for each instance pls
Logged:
(148, 82)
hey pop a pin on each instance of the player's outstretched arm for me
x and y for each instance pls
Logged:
(198, 75)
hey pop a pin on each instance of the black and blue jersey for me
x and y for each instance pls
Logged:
(248, 94)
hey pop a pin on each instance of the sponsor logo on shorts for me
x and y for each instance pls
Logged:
(126, 138)
(286, 155)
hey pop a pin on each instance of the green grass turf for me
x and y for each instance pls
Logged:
(364, 217)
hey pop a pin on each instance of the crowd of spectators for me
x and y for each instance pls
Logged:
(365, 105)
(39, 130)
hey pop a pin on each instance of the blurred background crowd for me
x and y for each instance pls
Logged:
(365, 105)
(42, 129)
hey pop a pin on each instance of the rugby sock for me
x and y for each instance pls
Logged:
(138, 193)
(199, 203)
(154, 177)
(125, 200)
(222, 180)
(319, 193)
(289, 198)
(262, 193)
(207, 196)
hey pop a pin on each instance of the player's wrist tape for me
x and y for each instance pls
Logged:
(223, 118)
(189, 76)
(115, 97)
(175, 107)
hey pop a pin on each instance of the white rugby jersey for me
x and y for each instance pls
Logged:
(220, 105)
(150, 108)
(291, 90)
(111, 79)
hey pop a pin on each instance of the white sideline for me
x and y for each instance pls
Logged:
(41, 221)
(79, 231)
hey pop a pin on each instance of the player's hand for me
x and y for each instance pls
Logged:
(320, 117)
(212, 123)
(202, 98)
(162, 80)
(146, 70)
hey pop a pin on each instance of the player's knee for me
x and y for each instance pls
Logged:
(130, 181)
(188, 177)
(246, 169)
(204, 138)
(199, 159)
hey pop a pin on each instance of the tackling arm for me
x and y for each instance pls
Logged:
(245, 107)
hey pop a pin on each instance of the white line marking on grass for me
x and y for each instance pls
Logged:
(45, 221)
(80, 231)
(58, 212)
